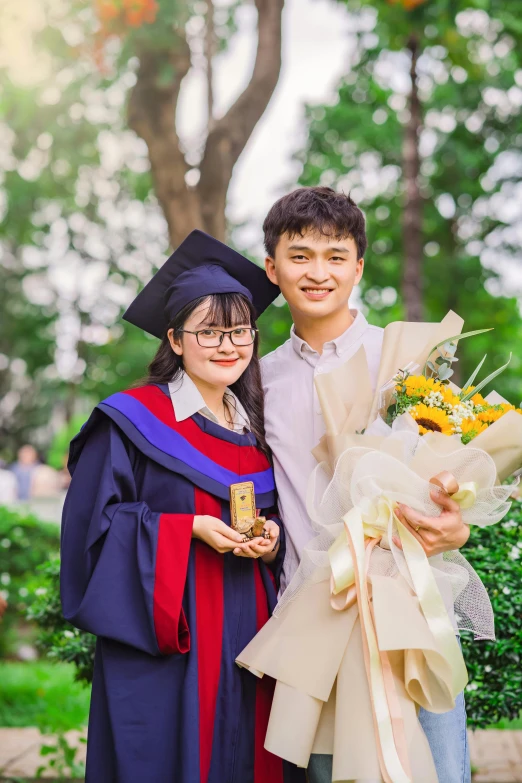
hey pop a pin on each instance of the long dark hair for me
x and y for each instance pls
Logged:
(226, 310)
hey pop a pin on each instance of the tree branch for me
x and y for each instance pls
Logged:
(230, 134)
(151, 114)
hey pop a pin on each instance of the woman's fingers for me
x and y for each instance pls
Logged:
(256, 547)
(223, 543)
(228, 532)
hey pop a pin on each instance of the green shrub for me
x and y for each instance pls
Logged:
(25, 543)
(58, 638)
(495, 668)
(42, 694)
(495, 671)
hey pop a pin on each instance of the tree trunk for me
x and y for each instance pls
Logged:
(210, 46)
(412, 220)
(152, 112)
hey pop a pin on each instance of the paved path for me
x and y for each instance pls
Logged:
(496, 756)
(20, 752)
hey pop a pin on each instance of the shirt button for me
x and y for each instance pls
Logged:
(319, 370)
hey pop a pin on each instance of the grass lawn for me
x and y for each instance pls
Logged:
(42, 694)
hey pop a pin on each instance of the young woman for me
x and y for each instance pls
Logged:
(150, 563)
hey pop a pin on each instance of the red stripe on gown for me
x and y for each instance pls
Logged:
(172, 553)
(209, 623)
(267, 767)
(221, 452)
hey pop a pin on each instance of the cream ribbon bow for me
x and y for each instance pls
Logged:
(364, 527)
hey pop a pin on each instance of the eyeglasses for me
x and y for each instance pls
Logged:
(212, 338)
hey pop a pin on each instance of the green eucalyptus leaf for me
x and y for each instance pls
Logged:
(457, 338)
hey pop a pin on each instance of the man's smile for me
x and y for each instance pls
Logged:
(316, 292)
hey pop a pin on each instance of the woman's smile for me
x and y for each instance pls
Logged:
(225, 362)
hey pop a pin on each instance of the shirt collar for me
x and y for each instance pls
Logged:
(341, 344)
(187, 400)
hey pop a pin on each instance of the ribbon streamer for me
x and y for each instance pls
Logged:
(349, 558)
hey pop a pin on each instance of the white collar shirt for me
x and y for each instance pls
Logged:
(294, 424)
(187, 400)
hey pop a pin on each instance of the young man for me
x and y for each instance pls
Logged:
(315, 241)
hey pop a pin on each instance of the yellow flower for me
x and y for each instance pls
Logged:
(479, 401)
(433, 419)
(419, 386)
(449, 397)
(471, 429)
(490, 415)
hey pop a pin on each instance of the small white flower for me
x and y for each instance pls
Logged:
(515, 553)
(5, 543)
(5, 579)
(68, 634)
(23, 591)
(506, 591)
(4, 594)
(40, 591)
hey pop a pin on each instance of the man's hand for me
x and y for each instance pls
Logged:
(436, 534)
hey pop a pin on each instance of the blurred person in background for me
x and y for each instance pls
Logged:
(8, 485)
(46, 482)
(23, 470)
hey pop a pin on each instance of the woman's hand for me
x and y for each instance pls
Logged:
(261, 547)
(215, 533)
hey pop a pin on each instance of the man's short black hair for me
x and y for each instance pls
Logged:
(318, 209)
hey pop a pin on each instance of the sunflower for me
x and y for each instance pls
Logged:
(448, 397)
(490, 415)
(470, 429)
(419, 386)
(431, 419)
(479, 401)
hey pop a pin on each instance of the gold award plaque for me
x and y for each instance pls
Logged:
(243, 511)
(242, 506)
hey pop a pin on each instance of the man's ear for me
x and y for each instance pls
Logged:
(270, 269)
(360, 270)
(175, 344)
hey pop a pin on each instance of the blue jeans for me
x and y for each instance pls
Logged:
(448, 741)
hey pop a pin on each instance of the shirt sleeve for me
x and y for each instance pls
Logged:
(123, 566)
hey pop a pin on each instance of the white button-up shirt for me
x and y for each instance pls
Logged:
(187, 400)
(294, 424)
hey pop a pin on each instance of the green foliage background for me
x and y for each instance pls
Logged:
(25, 543)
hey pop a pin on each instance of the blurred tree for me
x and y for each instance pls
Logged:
(425, 133)
(88, 206)
(191, 190)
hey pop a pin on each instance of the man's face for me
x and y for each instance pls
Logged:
(316, 273)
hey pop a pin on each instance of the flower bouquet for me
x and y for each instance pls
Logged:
(366, 631)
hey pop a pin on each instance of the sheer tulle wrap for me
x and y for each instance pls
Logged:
(362, 636)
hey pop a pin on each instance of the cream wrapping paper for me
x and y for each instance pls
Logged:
(347, 683)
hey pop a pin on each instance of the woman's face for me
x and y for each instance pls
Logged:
(220, 366)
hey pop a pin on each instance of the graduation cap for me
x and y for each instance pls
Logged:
(199, 267)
